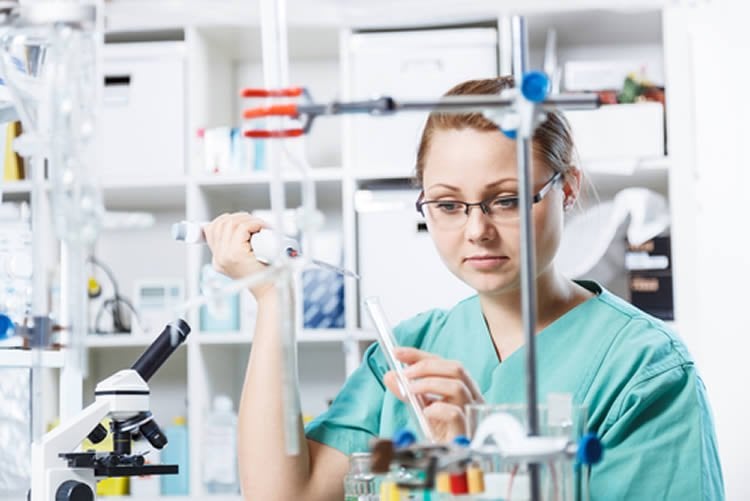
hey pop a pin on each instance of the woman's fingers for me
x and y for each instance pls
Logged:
(445, 416)
(446, 420)
(411, 356)
(434, 366)
(448, 390)
(229, 237)
(391, 382)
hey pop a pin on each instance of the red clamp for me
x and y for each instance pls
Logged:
(290, 110)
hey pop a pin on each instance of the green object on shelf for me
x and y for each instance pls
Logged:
(631, 89)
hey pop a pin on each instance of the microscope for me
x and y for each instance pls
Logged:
(59, 474)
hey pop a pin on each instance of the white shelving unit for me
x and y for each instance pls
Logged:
(14, 358)
(222, 54)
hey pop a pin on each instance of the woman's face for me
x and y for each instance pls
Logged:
(471, 166)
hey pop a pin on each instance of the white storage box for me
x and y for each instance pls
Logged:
(620, 131)
(397, 260)
(405, 65)
(141, 128)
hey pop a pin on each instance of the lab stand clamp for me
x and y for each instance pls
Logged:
(60, 474)
(455, 468)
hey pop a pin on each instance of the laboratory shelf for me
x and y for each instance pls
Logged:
(23, 358)
(290, 174)
(378, 175)
(117, 340)
(144, 193)
(306, 336)
(223, 338)
(15, 186)
(627, 165)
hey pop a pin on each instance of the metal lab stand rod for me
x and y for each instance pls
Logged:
(528, 265)
(387, 105)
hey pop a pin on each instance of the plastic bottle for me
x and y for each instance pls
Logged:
(220, 448)
(176, 452)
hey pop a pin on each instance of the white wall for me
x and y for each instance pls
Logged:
(708, 125)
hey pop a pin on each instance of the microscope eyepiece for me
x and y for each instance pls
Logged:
(164, 345)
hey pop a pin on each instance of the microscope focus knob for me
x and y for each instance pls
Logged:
(72, 490)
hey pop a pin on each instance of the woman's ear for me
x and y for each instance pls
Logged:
(571, 186)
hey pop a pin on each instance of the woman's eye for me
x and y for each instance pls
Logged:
(505, 203)
(448, 207)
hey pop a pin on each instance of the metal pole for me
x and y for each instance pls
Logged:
(528, 267)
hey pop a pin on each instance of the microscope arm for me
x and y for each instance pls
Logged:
(65, 438)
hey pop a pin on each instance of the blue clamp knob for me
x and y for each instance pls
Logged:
(403, 438)
(590, 449)
(535, 86)
(6, 326)
(461, 441)
(510, 134)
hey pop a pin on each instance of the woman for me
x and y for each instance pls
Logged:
(644, 397)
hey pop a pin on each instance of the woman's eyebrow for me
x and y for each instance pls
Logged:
(500, 182)
(490, 186)
(444, 186)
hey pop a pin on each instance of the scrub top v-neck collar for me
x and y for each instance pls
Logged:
(550, 341)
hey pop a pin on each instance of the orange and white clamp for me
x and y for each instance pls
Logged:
(290, 110)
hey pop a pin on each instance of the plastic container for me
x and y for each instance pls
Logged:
(223, 313)
(220, 449)
(176, 452)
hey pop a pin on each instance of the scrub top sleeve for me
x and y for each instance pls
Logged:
(353, 418)
(660, 443)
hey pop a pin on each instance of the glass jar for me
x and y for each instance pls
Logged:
(359, 482)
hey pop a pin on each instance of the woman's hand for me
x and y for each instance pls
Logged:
(444, 386)
(229, 236)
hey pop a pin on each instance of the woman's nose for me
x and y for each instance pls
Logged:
(479, 226)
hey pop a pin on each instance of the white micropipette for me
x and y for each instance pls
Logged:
(264, 244)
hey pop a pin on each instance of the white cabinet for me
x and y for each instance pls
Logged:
(141, 127)
(408, 65)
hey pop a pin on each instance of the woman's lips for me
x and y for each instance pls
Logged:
(485, 262)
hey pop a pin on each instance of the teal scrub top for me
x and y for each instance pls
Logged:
(644, 397)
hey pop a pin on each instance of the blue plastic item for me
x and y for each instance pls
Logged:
(462, 441)
(510, 133)
(6, 326)
(535, 86)
(590, 449)
(176, 452)
(403, 438)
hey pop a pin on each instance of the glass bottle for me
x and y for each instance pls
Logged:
(359, 482)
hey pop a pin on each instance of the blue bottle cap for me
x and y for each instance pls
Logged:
(461, 441)
(535, 86)
(510, 133)
(6, 326)
(590, 449)
(403, 438)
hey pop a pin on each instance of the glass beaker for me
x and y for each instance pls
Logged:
(561, 479)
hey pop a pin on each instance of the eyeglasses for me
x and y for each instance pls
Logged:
(453, 214)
